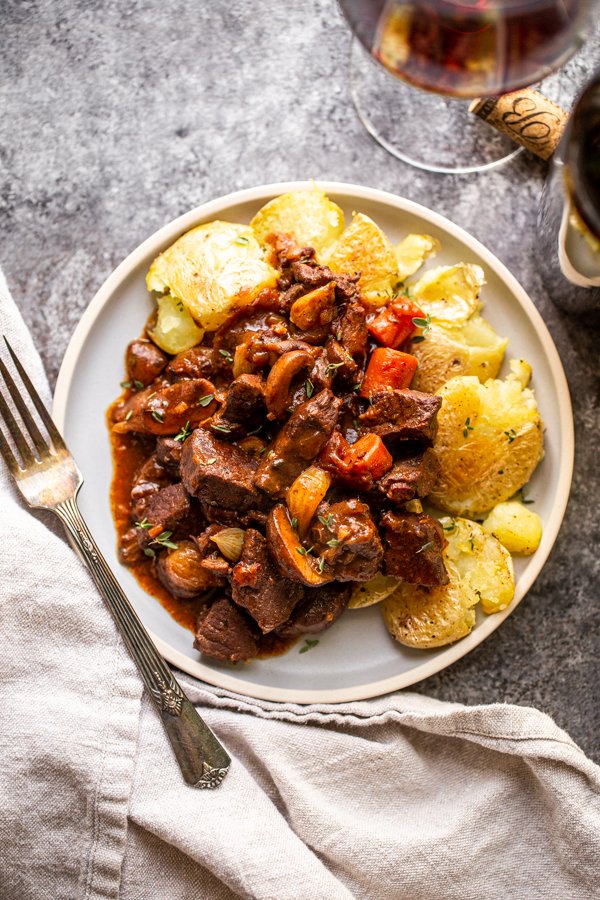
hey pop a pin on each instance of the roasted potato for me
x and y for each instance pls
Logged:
(175, 330)
(470, 349)
(364, 248)
(518, 528)
(212, 269)
(412, 252)
(310, 216)
(479, 569)
(449, 294)
(489, 441)
(373, 591)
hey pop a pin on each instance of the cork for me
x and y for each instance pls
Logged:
(525, 116)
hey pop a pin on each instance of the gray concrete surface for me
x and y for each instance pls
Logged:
(118, 115)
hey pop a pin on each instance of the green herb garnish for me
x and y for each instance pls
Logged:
(129, 415)
(326, 521)
(226, 355)
(308, 645)
(240, 239)
(184, 433)
(224, 428)
(125, 384)
(333, 543)
(309, 388)
(468, 427)
(138, 385)
(158, 415)
(163, 540)
(204, 401)
(511, 435)
(426, 546)
(144, 524)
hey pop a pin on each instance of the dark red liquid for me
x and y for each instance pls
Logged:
(468, 48)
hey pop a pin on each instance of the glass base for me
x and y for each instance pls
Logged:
(428, 131)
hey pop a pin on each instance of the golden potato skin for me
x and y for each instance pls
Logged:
(175, 330)
(211, 269)
(489, 441)
(470, 349)
(449, 294)
(412, 252)
(517, 527)
(310, 216)
(364, 248)
(425, 618)
(374, 591)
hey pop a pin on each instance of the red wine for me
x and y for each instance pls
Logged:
(468, 48)
(580, 153)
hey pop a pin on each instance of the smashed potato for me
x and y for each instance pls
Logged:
(364, 248)
(373, 591)
(449, 294)
(470, 349)
(412, 252)
(310, 216)
(479, 570)
(518, 528)
(175, 330)
(212, 269)
(489, 441)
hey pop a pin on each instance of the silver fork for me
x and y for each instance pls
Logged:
(48, 478)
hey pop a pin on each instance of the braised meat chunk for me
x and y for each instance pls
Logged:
(168, 454)
(224, 632)
(243, 408)
(414, 476)
(144, 362)
(302, 437)
(219, 474)
(403, 414)
(318, 611)
(346, 537)
(258, 586)
(168, 506)
(413, 544)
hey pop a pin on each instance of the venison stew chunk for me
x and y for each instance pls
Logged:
(413, 544)
(256, 482)
(402, 414)
(258, 586)
(224, 632)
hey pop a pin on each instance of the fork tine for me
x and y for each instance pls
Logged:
(43, 412)
(9, 457)
(34, 432)
(17, 435)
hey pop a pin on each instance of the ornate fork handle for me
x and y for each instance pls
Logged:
(203, 761)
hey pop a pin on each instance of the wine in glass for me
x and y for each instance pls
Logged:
(453, 50)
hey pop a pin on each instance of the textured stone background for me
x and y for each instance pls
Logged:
(119, 115)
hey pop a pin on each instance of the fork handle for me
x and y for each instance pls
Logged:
(203, 761)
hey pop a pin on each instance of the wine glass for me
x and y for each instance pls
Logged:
(453, 50)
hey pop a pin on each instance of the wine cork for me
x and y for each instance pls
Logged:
(527, 117)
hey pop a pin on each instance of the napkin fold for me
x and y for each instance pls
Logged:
(399, 797)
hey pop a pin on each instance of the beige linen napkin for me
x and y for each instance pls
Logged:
(400, 797)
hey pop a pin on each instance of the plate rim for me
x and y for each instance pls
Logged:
(261, 193)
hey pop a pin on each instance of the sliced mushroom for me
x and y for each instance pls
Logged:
(291, 557)
(277, 390)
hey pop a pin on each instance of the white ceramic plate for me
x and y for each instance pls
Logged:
(356, 658)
